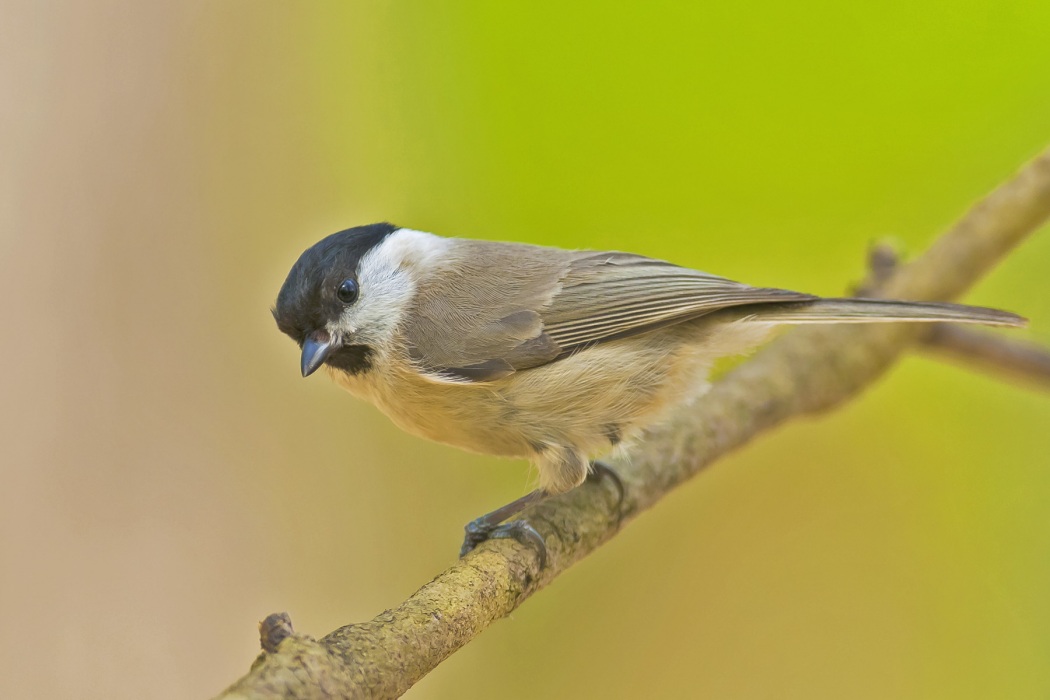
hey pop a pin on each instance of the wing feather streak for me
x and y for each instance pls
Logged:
(548, 304)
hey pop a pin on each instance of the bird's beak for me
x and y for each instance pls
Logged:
(316, 349)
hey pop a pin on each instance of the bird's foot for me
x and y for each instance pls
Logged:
(479, 530)
(600, 470)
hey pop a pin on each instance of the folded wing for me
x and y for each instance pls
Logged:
(546, 304)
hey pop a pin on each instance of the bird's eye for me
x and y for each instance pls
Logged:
(347, 291)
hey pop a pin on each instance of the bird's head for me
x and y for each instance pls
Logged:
(332, 303)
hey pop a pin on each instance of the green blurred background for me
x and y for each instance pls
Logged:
(169, 479)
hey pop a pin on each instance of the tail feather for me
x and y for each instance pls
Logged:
(878, 311)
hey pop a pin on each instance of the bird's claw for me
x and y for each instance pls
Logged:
(477, 532)
(600, 470)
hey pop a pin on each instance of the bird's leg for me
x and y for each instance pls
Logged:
(489, 526)
(600, 470)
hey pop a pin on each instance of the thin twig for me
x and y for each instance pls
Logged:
(985, 351)
(806, 370)
(1024, 362)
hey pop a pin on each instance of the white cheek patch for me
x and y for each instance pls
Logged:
(413, 248)
(387, 276)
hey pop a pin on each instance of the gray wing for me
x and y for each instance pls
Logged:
(613, 295)
(545, 304)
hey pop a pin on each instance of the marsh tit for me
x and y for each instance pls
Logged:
(556, 356)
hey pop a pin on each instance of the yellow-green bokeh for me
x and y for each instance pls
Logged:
(173, 480)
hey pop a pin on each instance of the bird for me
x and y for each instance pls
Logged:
(524, 351)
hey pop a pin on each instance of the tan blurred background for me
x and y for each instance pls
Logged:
(168, 479)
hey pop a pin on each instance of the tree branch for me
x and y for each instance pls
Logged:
(983, 350)
(807, 370)
(1021, 361)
